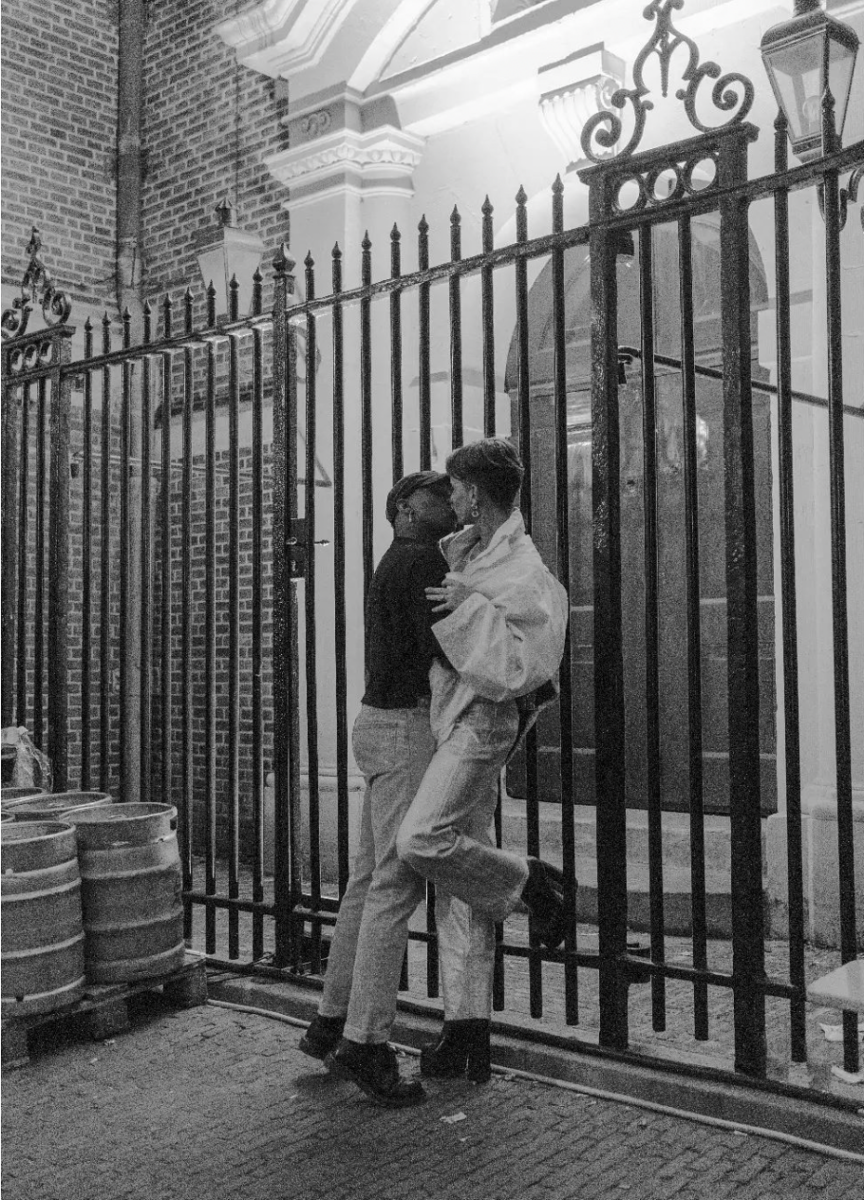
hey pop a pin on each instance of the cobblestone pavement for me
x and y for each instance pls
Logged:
(212, 1104)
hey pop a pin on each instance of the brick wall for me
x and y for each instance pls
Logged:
(191, 690)
(59, 93)
(199, 108)
(36, 496)
(207, 125)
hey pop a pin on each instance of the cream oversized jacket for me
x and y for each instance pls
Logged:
(506, 639)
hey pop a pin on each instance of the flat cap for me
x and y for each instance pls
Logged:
(408, 485)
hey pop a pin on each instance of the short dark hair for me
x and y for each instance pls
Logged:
(492, 465)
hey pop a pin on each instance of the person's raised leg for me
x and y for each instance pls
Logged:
(433, 839)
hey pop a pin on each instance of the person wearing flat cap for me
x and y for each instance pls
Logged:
(393, 745)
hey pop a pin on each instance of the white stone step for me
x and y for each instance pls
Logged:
(677, 890)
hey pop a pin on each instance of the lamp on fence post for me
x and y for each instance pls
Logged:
(225, 252)
(804, 58)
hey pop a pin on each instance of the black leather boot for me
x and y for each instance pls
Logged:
(323, 1035)
(461, 1050)
(544, 896)
(373, 1068)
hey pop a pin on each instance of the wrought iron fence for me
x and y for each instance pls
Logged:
(180, 626)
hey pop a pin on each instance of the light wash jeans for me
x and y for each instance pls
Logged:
(392, 747)
(446, 838)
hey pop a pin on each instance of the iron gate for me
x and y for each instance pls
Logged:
(150, 660)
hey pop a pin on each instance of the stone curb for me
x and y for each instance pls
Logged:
(837, 1124)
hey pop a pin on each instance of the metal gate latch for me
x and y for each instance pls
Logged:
(296, 547)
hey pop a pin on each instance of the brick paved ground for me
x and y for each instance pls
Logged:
(210, 1104)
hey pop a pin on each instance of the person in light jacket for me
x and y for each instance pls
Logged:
(502, 638)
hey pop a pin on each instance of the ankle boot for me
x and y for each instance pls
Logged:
(323, 1035)
(373, 1068)
(462, 1049)
(543, 894)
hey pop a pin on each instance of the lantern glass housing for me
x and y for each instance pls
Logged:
(802, 58)
(225, 252)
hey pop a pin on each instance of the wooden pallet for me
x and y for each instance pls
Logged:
(104, 1009)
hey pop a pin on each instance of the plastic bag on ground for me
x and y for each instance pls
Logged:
(32, 767)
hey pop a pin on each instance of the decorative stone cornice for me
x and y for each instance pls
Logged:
(378, 160)
(572, 91)
(279, 37)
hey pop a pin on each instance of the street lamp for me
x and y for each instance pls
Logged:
(224, 253)
(806, 57)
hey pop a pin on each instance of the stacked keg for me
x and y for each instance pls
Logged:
(91, 891)
(42, 932)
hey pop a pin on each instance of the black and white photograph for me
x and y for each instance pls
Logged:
(432, 599)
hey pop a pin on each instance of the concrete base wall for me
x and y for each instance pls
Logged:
(819, 838)
(819, 854)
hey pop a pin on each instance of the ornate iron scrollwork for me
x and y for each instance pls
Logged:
(56, 305)
(845, 196)
(604, 129)
(849, 194)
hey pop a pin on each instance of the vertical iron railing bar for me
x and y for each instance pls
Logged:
(339, 608)
(523, 378)
(366, 414)
(425, 421)
(233, 730)
(425, 379)
(455, 297)
(39, 516)
(21, 574)
(284, 618)
(565, 675)
(210, 757)
(839, 600)
(146, 647)
(742, 613)
(698, 914)
(310, 618)
(396, 357)
(165, 549)
(105, 569)
(651, 626)
(87, 560)
(184, 830)
(487, 286)
(11, 580)
(487, 301)
(789, 603)
(258, 487)
(125, 555)
(58, 565)
(498, 996)
(609, 734)
(532, 807)
(210, 754)
(295, 877)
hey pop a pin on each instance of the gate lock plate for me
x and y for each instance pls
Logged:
(295, 546)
